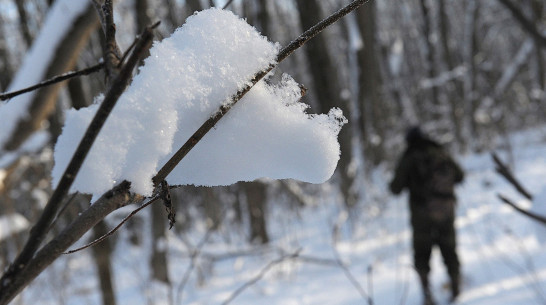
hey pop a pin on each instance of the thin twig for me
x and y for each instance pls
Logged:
(54, 80)
(194, 254)
(112, 53)
(529, 214)
(351, 277)
(226, 106)
(260, 275)
(105, 236)
(504, 171)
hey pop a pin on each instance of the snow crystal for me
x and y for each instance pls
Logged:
(183, 82)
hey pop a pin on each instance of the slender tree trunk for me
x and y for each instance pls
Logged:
(429, 49)
(23, 22)
(372, 115)
(158, 261)
(469, 45)
(456, 92)
(256, 198)
(102, 253)
(6, 71)
(326, 88)
(211, 207)
(537, 9)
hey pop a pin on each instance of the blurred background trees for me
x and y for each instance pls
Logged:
(468, 71)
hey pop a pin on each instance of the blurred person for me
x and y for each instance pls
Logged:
(429, 173)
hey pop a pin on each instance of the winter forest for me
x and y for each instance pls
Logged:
(240, 151)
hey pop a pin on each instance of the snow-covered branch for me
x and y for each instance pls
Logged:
(321, 131)
(16, 271)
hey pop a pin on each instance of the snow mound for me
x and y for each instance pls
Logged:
(184, 81)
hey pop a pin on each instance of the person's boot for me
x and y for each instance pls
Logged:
(455, 286)
(427, 294)
(428, 300)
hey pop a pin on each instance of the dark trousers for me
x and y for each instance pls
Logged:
(428, 233)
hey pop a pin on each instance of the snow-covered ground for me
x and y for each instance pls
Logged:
(502, 258)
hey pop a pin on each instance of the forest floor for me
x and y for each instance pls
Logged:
(322, 255)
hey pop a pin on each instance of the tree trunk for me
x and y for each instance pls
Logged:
(256, 196)
(158, 261)
(457, 92)
(429, 50)
(326, 88)
(6, 71)
(371, 116)
(102, 254)
(537, 9)
(211, 207)
(23, 22)
(469, 45)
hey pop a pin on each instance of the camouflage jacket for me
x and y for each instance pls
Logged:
(414, 172)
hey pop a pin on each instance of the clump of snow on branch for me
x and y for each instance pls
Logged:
(58, 22)
(183, 82)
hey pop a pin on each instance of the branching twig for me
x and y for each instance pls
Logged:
(112, 53)
(193, 258)
(283, 54)
(260, 275)
(351, 277)
(105, 236)
(51, 81)
(504, 171)
(529, 214)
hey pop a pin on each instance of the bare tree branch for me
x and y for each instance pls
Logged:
(525, 23)
(39, 231)
(504, 171)
(105, 236)
(351, 277)
(529, 214)
(12, 284)
(112, 54)
(260, 275)
(193, 259)
(31, 263)
(54, 80)
(283, 54)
